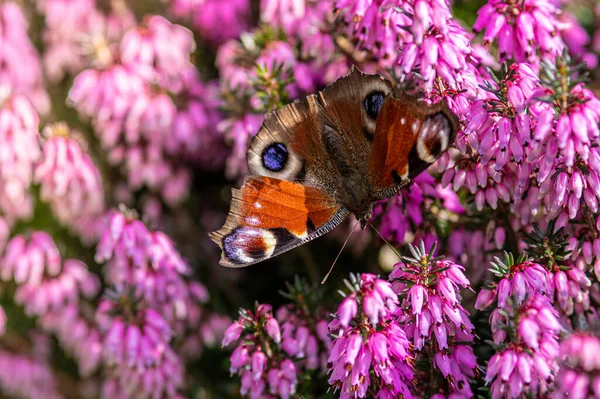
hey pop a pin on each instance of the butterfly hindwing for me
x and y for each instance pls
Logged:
(269, 216)
(409, 137)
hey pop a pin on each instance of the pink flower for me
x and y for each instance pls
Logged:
(21, 70)
(148, 262)
(76, 33)
(528, 364)
(215, 20)
(383, 349)
(435, 321)
(19, 151)
(441, 55)
(69, 179)
(27, 377)
(521, 28)
(375, 26)
(137, 347)
(263, 370)
(578, 374)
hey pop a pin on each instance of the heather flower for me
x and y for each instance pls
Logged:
(301, 335)
(518, 280)
(76, 31)
(19, 151)
(444, 56)
(370, 354)
(578, 375)
(435, 320)
(527, 362)
(68, 177)
(408, 212)
(524, 30)
(499, 128)
(27, 377)
(53, 293)
(20, 66)
(136, 347)
(577, 40)
(159, 51)
(28, 260)
(77, 335)
(375, 26)
(259, 358)
(215, 21)
(148, 262)
(131, 101)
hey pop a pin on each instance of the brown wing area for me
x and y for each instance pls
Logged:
(269, 216)
(410, 135)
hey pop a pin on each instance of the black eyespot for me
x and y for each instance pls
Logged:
(274, 157)
(373, 103)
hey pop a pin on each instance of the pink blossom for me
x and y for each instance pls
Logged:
(136, 345)
(21, 70)
(214, 20)
(528, 364)
(68, 177)
(578, 374)
(27, 377)
(19, 151)
(383, 349)
(375, 26)
(522, 29)
(435, 321)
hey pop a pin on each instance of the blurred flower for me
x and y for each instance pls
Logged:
(20, 66)
(76, 335)
(136, 347)
(148, 262)
(69, 179)
(375, 26)
(578, 375)
(26, 377)
(19, 150)
(216, 21)
(132, 104)
(77, 31)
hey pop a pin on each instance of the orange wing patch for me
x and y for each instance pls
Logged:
(410, 136)
(269, 216)
(269, 203)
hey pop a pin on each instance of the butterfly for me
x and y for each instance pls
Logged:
(316, 160)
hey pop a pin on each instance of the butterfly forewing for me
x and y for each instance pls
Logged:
(410, 136)
(269, 216)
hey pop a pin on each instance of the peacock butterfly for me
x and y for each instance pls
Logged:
(333, 153)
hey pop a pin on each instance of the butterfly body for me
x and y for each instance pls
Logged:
(318, 159)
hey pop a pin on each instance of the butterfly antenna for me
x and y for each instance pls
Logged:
(386, 241)
(339, 253)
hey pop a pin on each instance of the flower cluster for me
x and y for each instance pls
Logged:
(578, 376)
(370, 354)
(259, 359)
(20, 66)
(130, 99)
(70, 181)
(526, 362)
(435, 320)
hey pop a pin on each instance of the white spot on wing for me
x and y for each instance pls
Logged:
(403, 121)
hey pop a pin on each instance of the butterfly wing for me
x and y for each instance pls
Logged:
(410, 135)
(269, 216)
